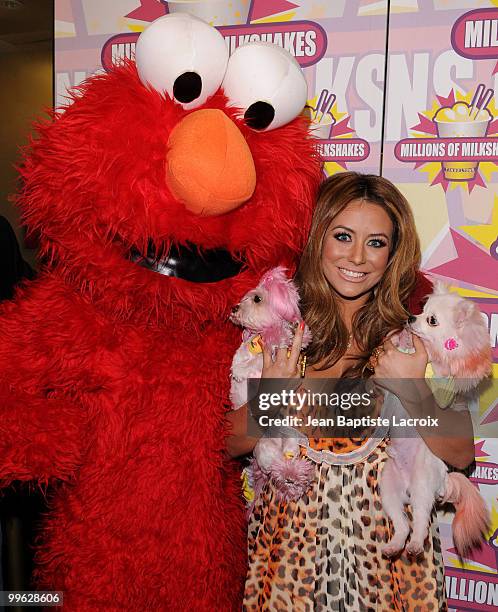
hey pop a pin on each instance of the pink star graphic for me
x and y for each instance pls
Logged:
(265, 8)
(148, 10)
(479, 452)
(426, 125)
(341, 128)
(472, 265)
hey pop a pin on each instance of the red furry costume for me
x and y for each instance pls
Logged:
(114, 379)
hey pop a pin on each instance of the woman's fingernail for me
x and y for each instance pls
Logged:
(301, 325)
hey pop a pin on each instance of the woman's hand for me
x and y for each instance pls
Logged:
(240, 441)
(283, 366)
(276, 370)
(402, 373)
(392, 363)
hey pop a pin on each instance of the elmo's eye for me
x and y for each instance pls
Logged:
(257, 299)
(187, 87)
(266, 83)
(182, 56)
(432, 321)
(259, 115)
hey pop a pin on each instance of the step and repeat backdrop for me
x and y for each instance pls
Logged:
(428, 121)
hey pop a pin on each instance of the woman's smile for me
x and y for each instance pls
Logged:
(352, 275)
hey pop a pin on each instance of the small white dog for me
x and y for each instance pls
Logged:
(457, 342)
(269, 312)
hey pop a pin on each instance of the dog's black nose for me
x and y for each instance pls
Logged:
(235, 308)
(411, 319)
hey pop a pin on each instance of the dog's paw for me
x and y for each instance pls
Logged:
(267, 451)
(415, 548)
(392, 548)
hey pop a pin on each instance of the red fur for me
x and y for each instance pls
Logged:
(472, 517)
(422, 290)
(114, 380)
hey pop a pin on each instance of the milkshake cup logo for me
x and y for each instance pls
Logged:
(456, 140)
(462, 120)
(335, 139)
(215, 12)
(321, 117)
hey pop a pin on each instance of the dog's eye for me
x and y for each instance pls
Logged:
(432, 321)
(257, 299)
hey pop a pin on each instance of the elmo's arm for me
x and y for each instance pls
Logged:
(39, 437)
(41, 421)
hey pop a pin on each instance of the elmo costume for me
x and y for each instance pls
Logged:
(161, 195)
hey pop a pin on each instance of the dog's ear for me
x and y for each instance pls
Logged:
(282, 293)
(285, 300)
(275, 275)
(440, 288)
(463, 311)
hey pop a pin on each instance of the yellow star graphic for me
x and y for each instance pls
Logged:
(485, 234)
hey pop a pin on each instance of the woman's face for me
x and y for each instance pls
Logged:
(356, 249)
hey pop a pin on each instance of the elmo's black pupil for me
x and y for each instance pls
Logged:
(259, 115)
(187, 87)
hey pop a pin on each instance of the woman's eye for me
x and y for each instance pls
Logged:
(182, 56)
(377, 243)
(342, 236)
(432, 321)
(257, 299)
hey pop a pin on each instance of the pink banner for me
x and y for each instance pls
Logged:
(305, 40)
(475, 34)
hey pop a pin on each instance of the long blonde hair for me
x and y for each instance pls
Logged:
(386, 310)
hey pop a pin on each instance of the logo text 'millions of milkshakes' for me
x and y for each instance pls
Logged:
(457, 137)
(305, 40)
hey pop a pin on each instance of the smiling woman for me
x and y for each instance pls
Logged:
(358, 279)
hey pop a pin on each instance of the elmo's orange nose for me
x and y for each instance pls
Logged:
(209, 166)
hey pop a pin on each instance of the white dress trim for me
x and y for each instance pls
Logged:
(361, 453)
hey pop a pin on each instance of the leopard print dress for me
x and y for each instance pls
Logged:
(323, 552)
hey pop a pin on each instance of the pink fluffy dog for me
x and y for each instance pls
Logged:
(269, 312)
(457, 343)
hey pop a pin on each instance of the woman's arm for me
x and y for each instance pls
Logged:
(403, 374)
(239, 442)
(452, 440)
